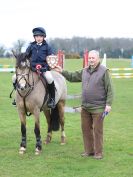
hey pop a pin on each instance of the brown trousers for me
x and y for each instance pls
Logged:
(92, 129)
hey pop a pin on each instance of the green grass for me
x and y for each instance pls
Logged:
(7, 61)
(65, 161)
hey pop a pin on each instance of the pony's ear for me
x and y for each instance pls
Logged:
(14, 53)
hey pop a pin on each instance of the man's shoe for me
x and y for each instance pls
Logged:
(98, 156)
(51, 103)
(14, 103)
(85, 154)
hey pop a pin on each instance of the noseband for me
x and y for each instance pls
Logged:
(25, 77)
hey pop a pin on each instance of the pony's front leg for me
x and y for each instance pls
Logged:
(61, 108)
(49, 132)
(37, 134)
(23, 133)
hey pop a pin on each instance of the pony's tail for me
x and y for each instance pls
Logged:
(55, 119)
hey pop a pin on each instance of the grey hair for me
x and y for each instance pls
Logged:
(95, 52)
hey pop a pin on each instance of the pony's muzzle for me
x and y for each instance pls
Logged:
(22, 86)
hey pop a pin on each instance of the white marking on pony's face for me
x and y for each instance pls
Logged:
(23, 64)
(22, 77)
(22, 84)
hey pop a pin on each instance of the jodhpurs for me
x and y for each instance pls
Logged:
(48, 76)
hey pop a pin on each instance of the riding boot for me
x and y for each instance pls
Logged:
(14, 102)
(51, 101)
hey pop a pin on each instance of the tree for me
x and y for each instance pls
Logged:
(18, 45)
(2, 51)
(113, 47)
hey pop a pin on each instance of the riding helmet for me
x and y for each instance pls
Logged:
(39, 31)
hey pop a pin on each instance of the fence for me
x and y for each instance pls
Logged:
(121, 74)
(61, 58)
(7, 68)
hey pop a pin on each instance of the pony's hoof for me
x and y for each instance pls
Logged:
(63, 140)
(37, 151)
(48, 140)
(22, 150)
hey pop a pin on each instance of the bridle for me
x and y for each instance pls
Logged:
(28, 86)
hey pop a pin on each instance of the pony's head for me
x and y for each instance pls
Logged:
(22, 60)
(22, 71)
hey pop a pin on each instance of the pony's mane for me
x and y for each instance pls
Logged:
(21, 59)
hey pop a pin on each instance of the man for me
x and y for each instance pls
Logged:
(38, 51)
(97, 97)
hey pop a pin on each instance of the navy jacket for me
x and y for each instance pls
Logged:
(38, 54)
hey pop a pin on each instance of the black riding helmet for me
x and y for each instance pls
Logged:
(39, 31)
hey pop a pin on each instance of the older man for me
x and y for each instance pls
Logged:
(97, 97)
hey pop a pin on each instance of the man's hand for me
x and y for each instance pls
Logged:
(107, 108)
(58, 69)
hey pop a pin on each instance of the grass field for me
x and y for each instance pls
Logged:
(65, 161)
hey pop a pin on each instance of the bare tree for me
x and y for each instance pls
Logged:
(2, 51)
(18, 45)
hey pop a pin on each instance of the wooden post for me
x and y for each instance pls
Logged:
(61, 58)
(85, 59)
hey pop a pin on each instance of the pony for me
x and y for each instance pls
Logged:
(31, 98)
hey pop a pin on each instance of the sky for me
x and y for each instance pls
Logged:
(65, 19)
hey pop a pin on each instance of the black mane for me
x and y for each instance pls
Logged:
(20, 58)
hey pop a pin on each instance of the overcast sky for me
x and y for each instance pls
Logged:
(65, 18)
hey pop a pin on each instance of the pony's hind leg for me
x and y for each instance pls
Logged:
(61, 108)
(49, 132)
(37, 134)
(22, 148)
